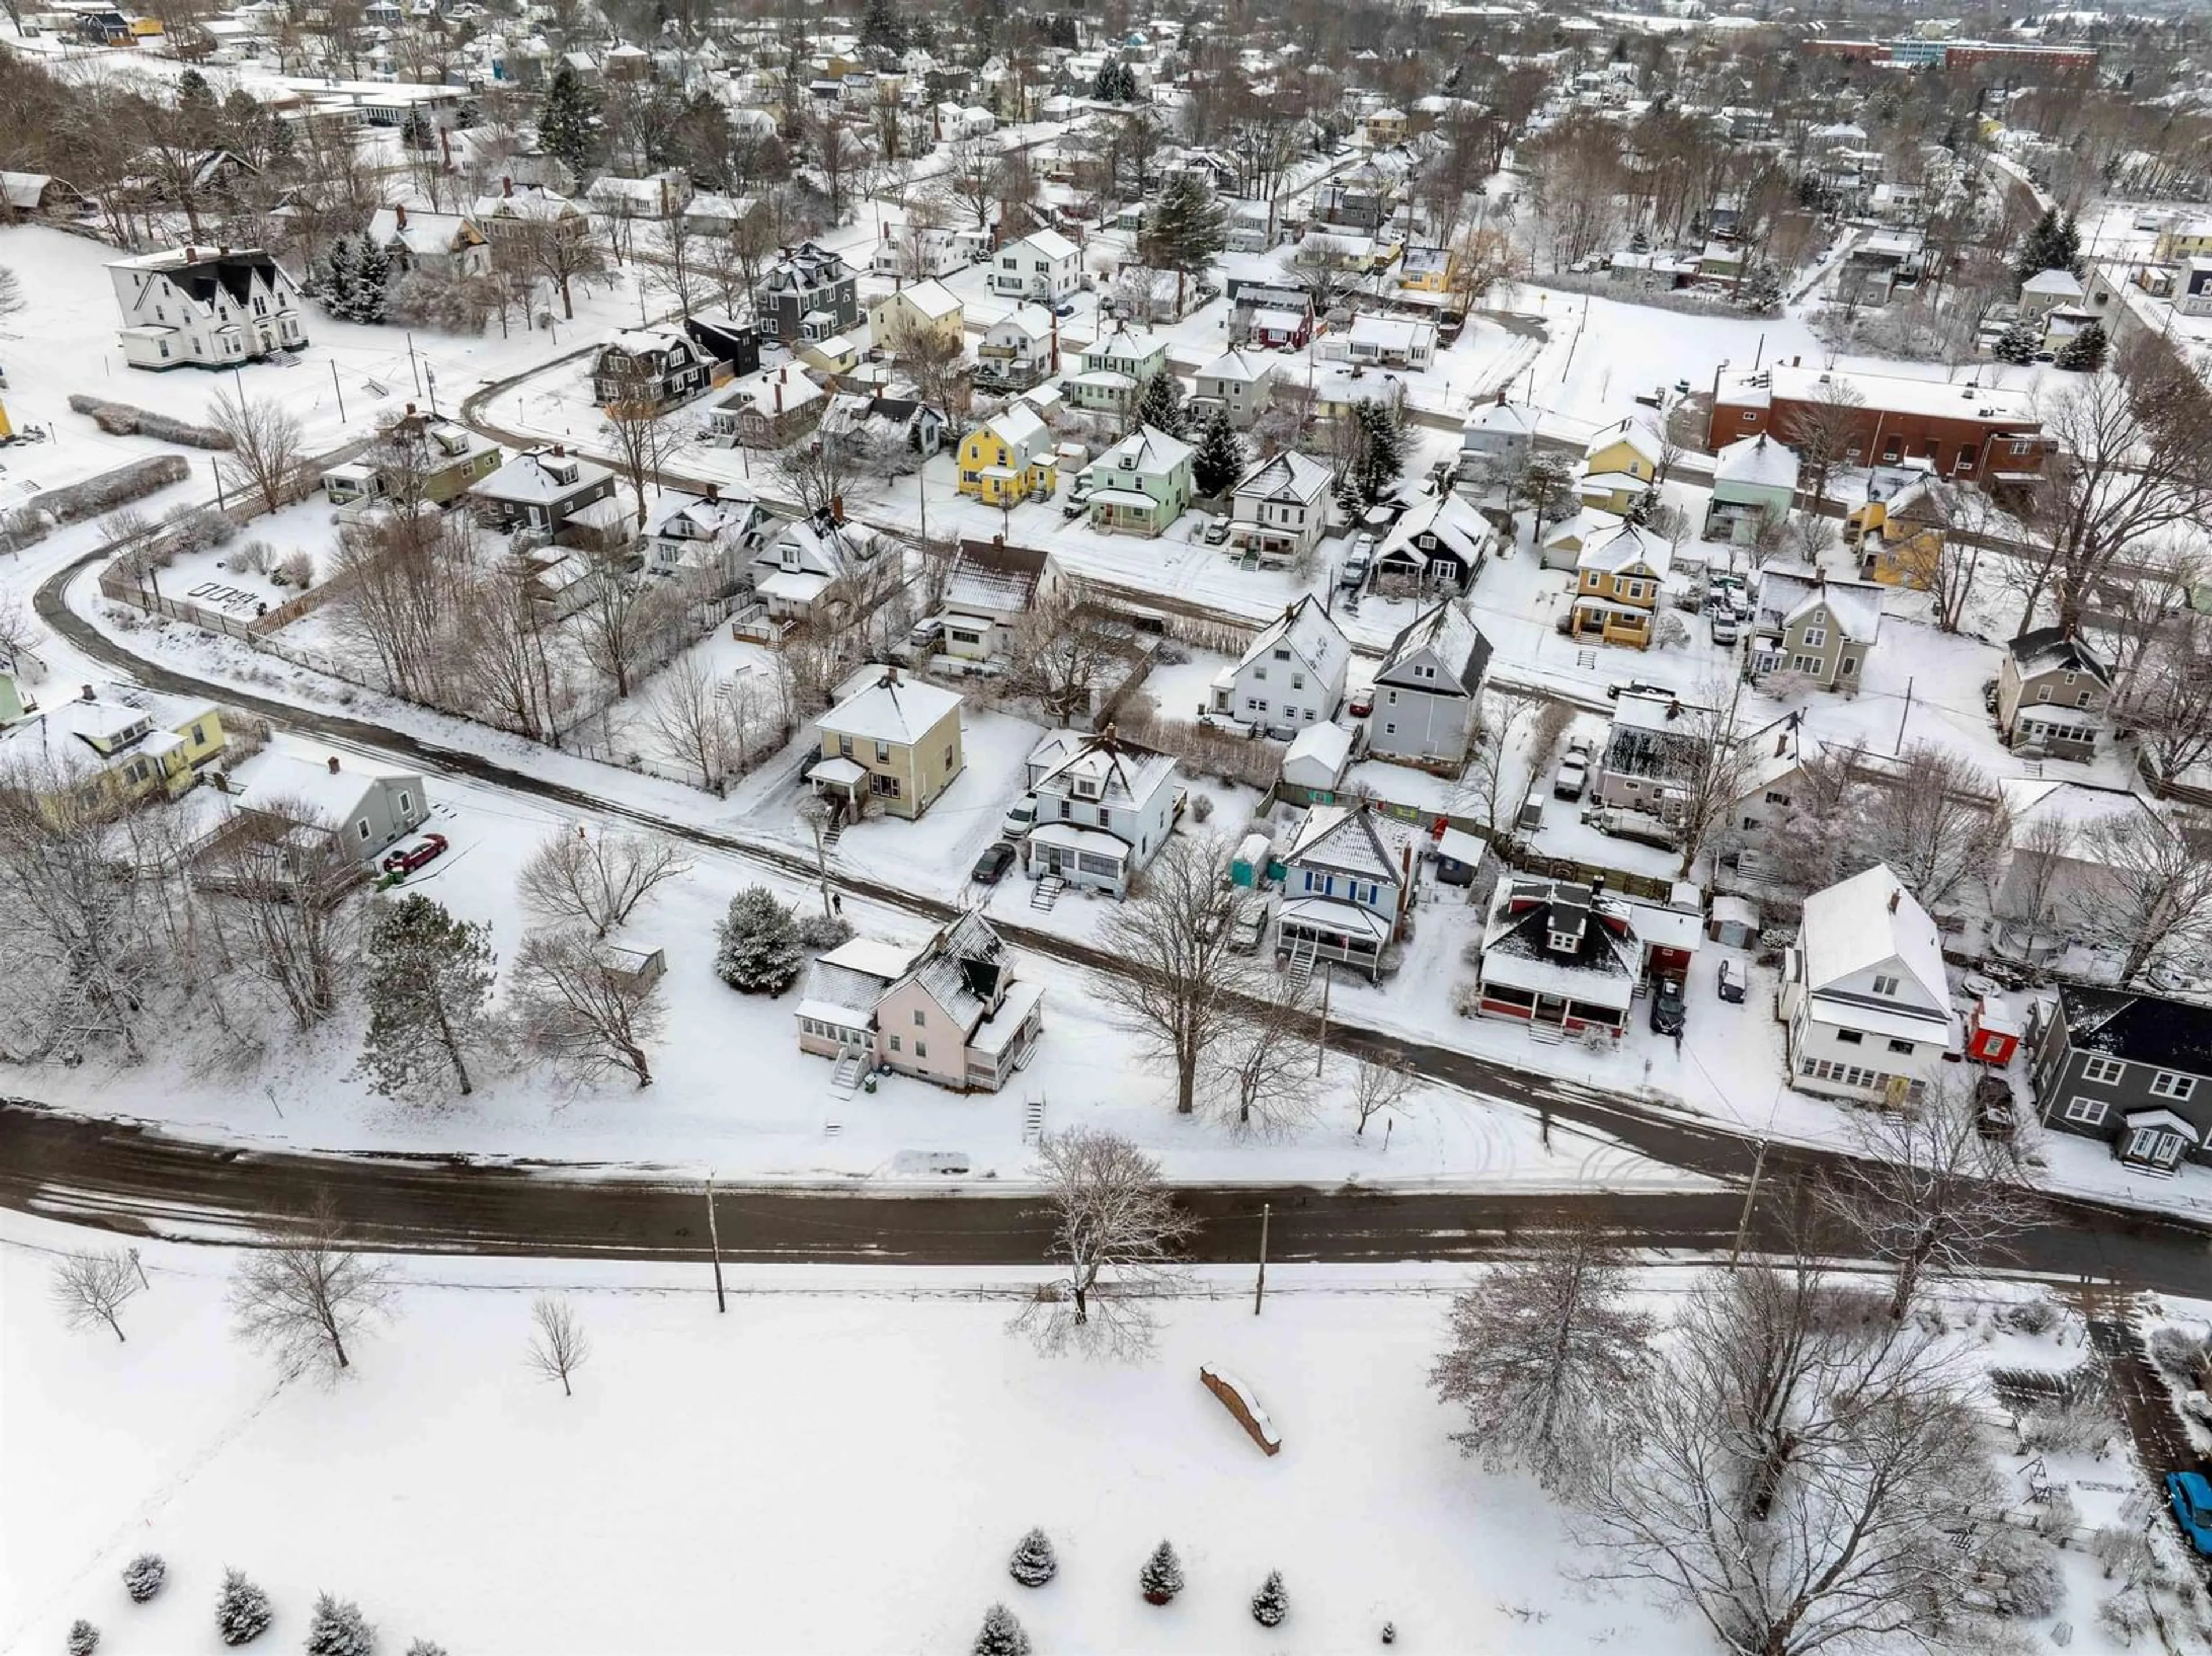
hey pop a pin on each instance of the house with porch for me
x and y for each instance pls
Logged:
(1426, 690)
(447, 245)
(1278, 510)
(1240, 384)
(917, 311)
(1020, 348)
(1805, 623)
(1864, 1004)
(770, 410)
(540, 488)
(715, 536)
(2053, 690)
(415, 457)
(1291, 676)
(892, 436)
(1562, 956)
(1384, 341)
(1618, 577)
(1113, 371)
(109, 753)
(1008, 458)
(1754, 480)
(206, 306)
(1618, 464)
(1347, 886)
(810, 294)
(1140, 485)
(360, 808)
(2134, 1070)
(1651, 758)
(1043, 266)
(949, 1010)
(2055, 872)
(1496, 442)
(1437, 547)
(659, 368)
(1897, 530)
(890, 742)
(1104, 808)
(989, 588)
(800, 567)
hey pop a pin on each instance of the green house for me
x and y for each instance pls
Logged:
(1141, 484)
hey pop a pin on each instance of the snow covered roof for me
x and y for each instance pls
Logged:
(1309, 632)
(875, 958)
(1244, 367)
(1868, 921)
(1529, 916)
(2064, 283)
(2139, 1028)
(1317, 754)
(272, 779)
(1050, 243)
(1451, 636)
(1626, 548)
(2032, 803)
(1101, 767)
(1759, 462)
(2054, 649)
(1033, 321)
(892, 709)
(1640, 439)
(1349, 838)
(1450, 522)
(1787, 591)
(540, 475)
(932, 297)
(1506, 419)
(1288, 473)
(1155, 453)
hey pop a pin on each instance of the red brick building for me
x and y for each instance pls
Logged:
(2025, 57)
(1973, 431)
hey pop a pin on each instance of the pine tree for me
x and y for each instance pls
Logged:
(334, 283)
(1641, 508)
(201, 115)
(2085, 353)
(430, 984)
(1162, 1576)
(2053, 243)
(2018, 344)
(144, 1575)
(338, 1631)
(1382, 452)
(371, 281)
(880, 28)
(1219, 460)
(242, 1613)
(1184, 226)
(83, 1638)
(760, 950)
(1271, 1603)
(1159, 405)
(414, 132)
(1033, 1563)
(1115, 83)
(567, 125)
(1002, 1635)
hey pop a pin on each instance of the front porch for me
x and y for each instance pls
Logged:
(1086, 857)
(1549, 1012)
(1611, 622)
(2155, 1141)
(1128, 511)
(1325, 929)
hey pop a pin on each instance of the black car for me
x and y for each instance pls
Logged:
(1668, 1009)
(991, 867)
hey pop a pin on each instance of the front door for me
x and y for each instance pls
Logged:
(1551, 1009)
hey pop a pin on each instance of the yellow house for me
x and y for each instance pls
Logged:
(1427, 270)
(1618, 464)
(838, 353)
(1617, 579)
(145, 28)
(1386, 127)
(2192, 238)
(1008, 458)
(892, 741)
(1899, 539)
(111, 754)
(919, 307)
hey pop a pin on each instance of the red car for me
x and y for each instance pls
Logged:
(406, 861)
(1363, 703)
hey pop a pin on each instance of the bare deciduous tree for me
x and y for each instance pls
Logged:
(2168, 698)
(265, 452)
(628, 622)
(1935, 821)
(1262, 1064)
(1544, 1351)
(1493, 760)
(282, 888)
(90, 1288)
(558, 1347)
(1066, 646)
(1178, 978)
(1379, 1086)
(580, 1010)
(1115, 1234)
(1822, 429)
(553, 252)
(636, 428)
(305, 1291)
(596, 880)
(2151, 898)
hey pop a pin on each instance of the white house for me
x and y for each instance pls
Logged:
(207, 307)
(1425, 690)
(1291, 676)
(918, 250)
(1043, 265)
(1387, 341)
(1865, 1007)
(1278, 509)
(715, 534)
(807, 558)
(1021, 346)
(1104, 808)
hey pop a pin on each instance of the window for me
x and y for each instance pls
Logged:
(1282, 655)
(2069, 678)
(1260, 673)
(1749, 417)
(921, 1049)
(921, 1018)
(1849, 1037)
(1886, 987)
(2082, 699)
(2084, 1112)
(844, 747)
(2043, 692)
(1298, 680)
(1904, 1047)
(1850, 666)
(1390, 697)
(2167, 1084)
(362, 827)
(883, 753)
(406, 800)
(1815, 637)
(2103, 1071)
(199, 736)
(895, 1046)
(1775, 798)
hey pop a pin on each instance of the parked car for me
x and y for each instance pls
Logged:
(1532, 815)
(925, 634)
(1637, 687)
(1727, 629)
(1669, 1011)
(407, 859)
(1568, 781)
(1063, 307)
(1249, 928)
(1078, 502)
(1735, 981)
(991, 867)
(2190, 1496)
(1020, 817)
(1352, 575)
(1995, 1115)
(1362, 702)
(1217, 532)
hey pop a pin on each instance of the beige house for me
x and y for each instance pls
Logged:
(1807, 624)
(892, 741)
(2052, 689)
(949, 1012)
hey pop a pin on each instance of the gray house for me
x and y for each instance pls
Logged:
(2133, 1069)
(362, 810)
(811, 293)
(1496, 442)
(542, 489)
(1425, 691)
(1805, 623)
(2052, 690)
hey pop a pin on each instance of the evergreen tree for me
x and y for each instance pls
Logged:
(2053, 243)
(414, 132)
(2086, 352)
(1184, 226)
(1760, 290)
(425, 1648)
(1642, 506)
(1271, 1603)
(1381, 452)
(338, 1631)
(429, 985)
(200, 114)
(1115, 83)
(372, 290)
(144, 1575)
(1002, 1635)
(760, 950)
(83, 1638)
(1159, 405)
(1033, 1563)
(334, 283)
(1219, 460)
(2019, 342)
(242, 1613)
(1162, 1576)
(567, 125)
(880, 28)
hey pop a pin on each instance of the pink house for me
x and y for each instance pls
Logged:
(949, 1009)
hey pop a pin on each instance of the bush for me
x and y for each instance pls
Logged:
(109, 489)
(144, 1575)
(1002, 1635)
(1271, 1603)
(1471, 955)
(424, 1648)
(821, 931)
(338, 1631)
(1033, 1563)
(1201, 807)
(242, 1613)
(2035, 1316)
(253, 557)
(2125, 1553)
(760, 951)
(1160, 1579)
(2181, 1352)
(1467, 1000)
(2126, 1615)
(2057, 1519)
(440, 303)
(122, 420)
(194, 529)
(83, 1639)
(2033, 1588)
(298, 569)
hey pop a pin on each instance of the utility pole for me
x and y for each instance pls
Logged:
(1320, 1047)
(1260, 1291)
(339, 389)
(1899, 746)
(715, 1242)
(1750, 1196)
(139, 1266)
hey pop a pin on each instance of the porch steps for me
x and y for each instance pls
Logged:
(1549, 1035)
(1301, 967)
(846, 1077)
(1047, 893)
(1033, 1121)
(833, 833)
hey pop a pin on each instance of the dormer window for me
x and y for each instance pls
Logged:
(1086, 787)
(1565, 942)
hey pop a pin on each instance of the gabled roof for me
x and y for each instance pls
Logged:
(1247, 368)
(1642, 438)
(994, 577)
(2030, 802)
(932, 297)
(275, 779)
(1154, 452)
(1125, 773)
(1126, 341)
(1289, 473)
(1034, 320)
(1865, 921)
(892, 709)
(1504, 418)
(1786, 592)
(1452, 637)
(2054, 649)
(1625, 548)
(1311, 634)
(2139, 1028)
(1458, 527)
(1017, 423)
(1050, 243)
(1346, 837)
(1757, 462)
(528, 477)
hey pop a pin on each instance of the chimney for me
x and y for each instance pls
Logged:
(86, 695)
(998, 540)
(713, 492)
(1674, 710)
(1795, 360)
(778, 389)
(836, 509)
(506, 186)
(399, 213)
(410, 408)
(1893, 896)
(559, 450)
(334, 764)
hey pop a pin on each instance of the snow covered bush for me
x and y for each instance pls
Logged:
(1467, 1000)
(83, 1639)
(760, 951)
(1001, 1634)
(1033, 1563)
(1162, 1576)
(2028, 1569)
(2125, 1615)
(2040, 1316)
(2181, 1352)
(2057, 1519)
(242, 1613)
(424, 1648)
(1271, 1603)
(252, 558)
(1201, 807)
(122, 420)
(296, 569)
(109, 489)
(338, 1628)
(821, 931)
(144, 1575)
